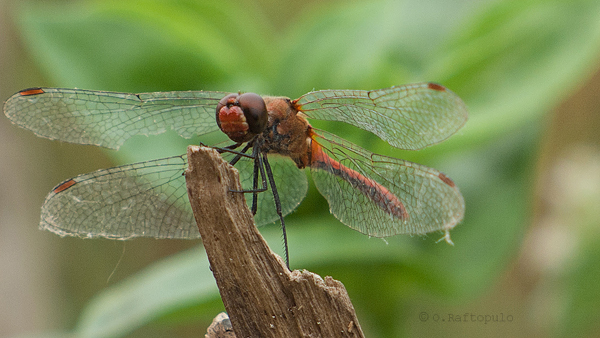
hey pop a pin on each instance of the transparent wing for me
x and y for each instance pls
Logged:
(412, 116)
(149, 199)
(429, 198)
(290, 181)
(107, 118)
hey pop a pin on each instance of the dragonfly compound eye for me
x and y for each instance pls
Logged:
(255, 110)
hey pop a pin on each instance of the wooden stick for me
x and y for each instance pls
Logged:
(262, 297)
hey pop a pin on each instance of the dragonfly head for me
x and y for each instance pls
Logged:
(242, 116)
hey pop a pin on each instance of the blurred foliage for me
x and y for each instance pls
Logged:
(510, 60)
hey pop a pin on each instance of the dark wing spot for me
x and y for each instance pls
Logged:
(64, 186)
(436, 86)
(31, 91)
(446, 180)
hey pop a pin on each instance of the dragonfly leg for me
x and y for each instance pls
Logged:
(261, 164)
(232, 147)
(239, 154)
(257, 164)
(222, 149)
(277, 207)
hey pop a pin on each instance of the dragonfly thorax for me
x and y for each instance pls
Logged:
(288, 132)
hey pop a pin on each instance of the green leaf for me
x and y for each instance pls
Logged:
(146, 45)
(516, 60)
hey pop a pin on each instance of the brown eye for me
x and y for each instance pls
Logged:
(255, 110)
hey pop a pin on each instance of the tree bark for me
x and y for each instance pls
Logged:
(262, 297)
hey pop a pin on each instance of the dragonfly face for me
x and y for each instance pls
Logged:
(242, 116)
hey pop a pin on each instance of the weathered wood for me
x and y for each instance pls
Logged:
(220, 327)
(262, 297)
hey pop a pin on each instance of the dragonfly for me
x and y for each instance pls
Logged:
(273, 141)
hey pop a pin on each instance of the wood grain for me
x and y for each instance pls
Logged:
(261, 296)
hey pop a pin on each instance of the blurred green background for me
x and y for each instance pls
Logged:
(526, 258)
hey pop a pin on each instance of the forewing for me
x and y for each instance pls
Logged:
(408, 117)
(107, 118)
(147, 199)
(290, 181)
(431, 200)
